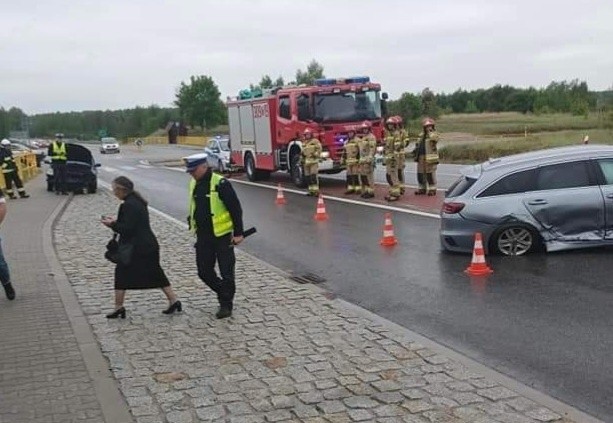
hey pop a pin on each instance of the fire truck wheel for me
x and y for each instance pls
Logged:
(252, 173)
(296, 172)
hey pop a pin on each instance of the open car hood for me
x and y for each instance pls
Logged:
(78, 153)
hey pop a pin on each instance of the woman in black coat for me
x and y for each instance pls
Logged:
(144, 270)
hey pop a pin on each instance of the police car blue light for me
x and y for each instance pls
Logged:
(358, 80)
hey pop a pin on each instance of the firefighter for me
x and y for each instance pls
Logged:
(57, 152)
(311, 153)
(402, 142)
(426, 156)
(367, 144)
(351, 160)
(391, 159)
(10, 171)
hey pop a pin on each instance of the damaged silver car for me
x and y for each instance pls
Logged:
(551, 200)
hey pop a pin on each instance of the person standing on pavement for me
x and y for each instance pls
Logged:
(144, 270)
(351, 155)
(216, 218)
(391, 159)
(57, 152)
(402, 142)
(5, 274)
(311, 153)
(426, 156)
(367, 144)
(10, 171)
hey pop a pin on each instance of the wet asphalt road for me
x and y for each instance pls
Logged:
(544, 320)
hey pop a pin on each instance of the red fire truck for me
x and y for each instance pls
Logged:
(266, 128)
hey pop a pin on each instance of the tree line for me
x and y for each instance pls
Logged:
(198, 104)
(139, 121)
(558, 97)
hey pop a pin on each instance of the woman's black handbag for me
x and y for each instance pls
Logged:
(118, 253)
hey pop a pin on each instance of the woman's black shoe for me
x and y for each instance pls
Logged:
(120, 312)
(176, 306)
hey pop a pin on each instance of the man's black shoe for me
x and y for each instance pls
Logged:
(223, 312)
(10, 292)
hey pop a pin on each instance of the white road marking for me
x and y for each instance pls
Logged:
(142, 166)
(128, 167)
(109, 169)
(338, 199)
(345, 200)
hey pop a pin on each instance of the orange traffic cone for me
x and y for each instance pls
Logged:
(280, 198)
(321, 214)
(478, 266)
(388, 239)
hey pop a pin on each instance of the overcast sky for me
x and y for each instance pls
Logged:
(62, 55)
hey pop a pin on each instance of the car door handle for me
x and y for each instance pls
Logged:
(538, 202)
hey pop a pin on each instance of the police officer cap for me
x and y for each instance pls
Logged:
(195, 160)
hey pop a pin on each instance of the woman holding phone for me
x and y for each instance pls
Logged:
(143, 271)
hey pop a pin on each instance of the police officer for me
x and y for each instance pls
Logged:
(351, 157)
(391, 159)
(10, 171)
(311, 153)
(57, 152)
(367, 144)
(427, 158)
(216, 218)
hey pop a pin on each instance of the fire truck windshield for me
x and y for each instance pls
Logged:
(350, 106)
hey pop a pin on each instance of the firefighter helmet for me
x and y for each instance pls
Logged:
(427, 122)
(391, 121)
(5, 142)
(365, 126)
(398, 120)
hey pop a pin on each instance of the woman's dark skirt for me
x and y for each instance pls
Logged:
(144, 272)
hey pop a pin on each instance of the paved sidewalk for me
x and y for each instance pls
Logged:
(289, 353)
(43, 376)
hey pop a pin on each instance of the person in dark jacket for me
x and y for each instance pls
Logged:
(144, 270)
(216, 218)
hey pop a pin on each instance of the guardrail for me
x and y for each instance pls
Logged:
(191, 140)
(26, 167)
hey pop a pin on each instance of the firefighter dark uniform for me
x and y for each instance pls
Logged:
(10, 171)
(57, 152)
(311, 154)
(427, 158)
(367, 144)
(216, 218)
(391, 159)
(351, 156)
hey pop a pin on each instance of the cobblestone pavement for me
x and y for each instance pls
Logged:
(288, 354)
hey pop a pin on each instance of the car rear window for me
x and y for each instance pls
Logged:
(511, 184)
(460, 186)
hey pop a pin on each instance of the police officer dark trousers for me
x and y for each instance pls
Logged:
(215, 215)
(57, 152)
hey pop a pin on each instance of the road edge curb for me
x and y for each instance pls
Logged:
(112, 403)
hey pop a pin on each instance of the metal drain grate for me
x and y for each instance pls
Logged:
(308, 278)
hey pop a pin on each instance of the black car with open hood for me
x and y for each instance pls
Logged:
(81, 170)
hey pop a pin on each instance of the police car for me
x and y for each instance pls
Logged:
(218, 149)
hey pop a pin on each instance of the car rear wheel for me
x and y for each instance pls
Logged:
(515, 240)
(92, 187)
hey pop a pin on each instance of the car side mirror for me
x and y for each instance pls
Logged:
(384, 96)
(97, 165)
